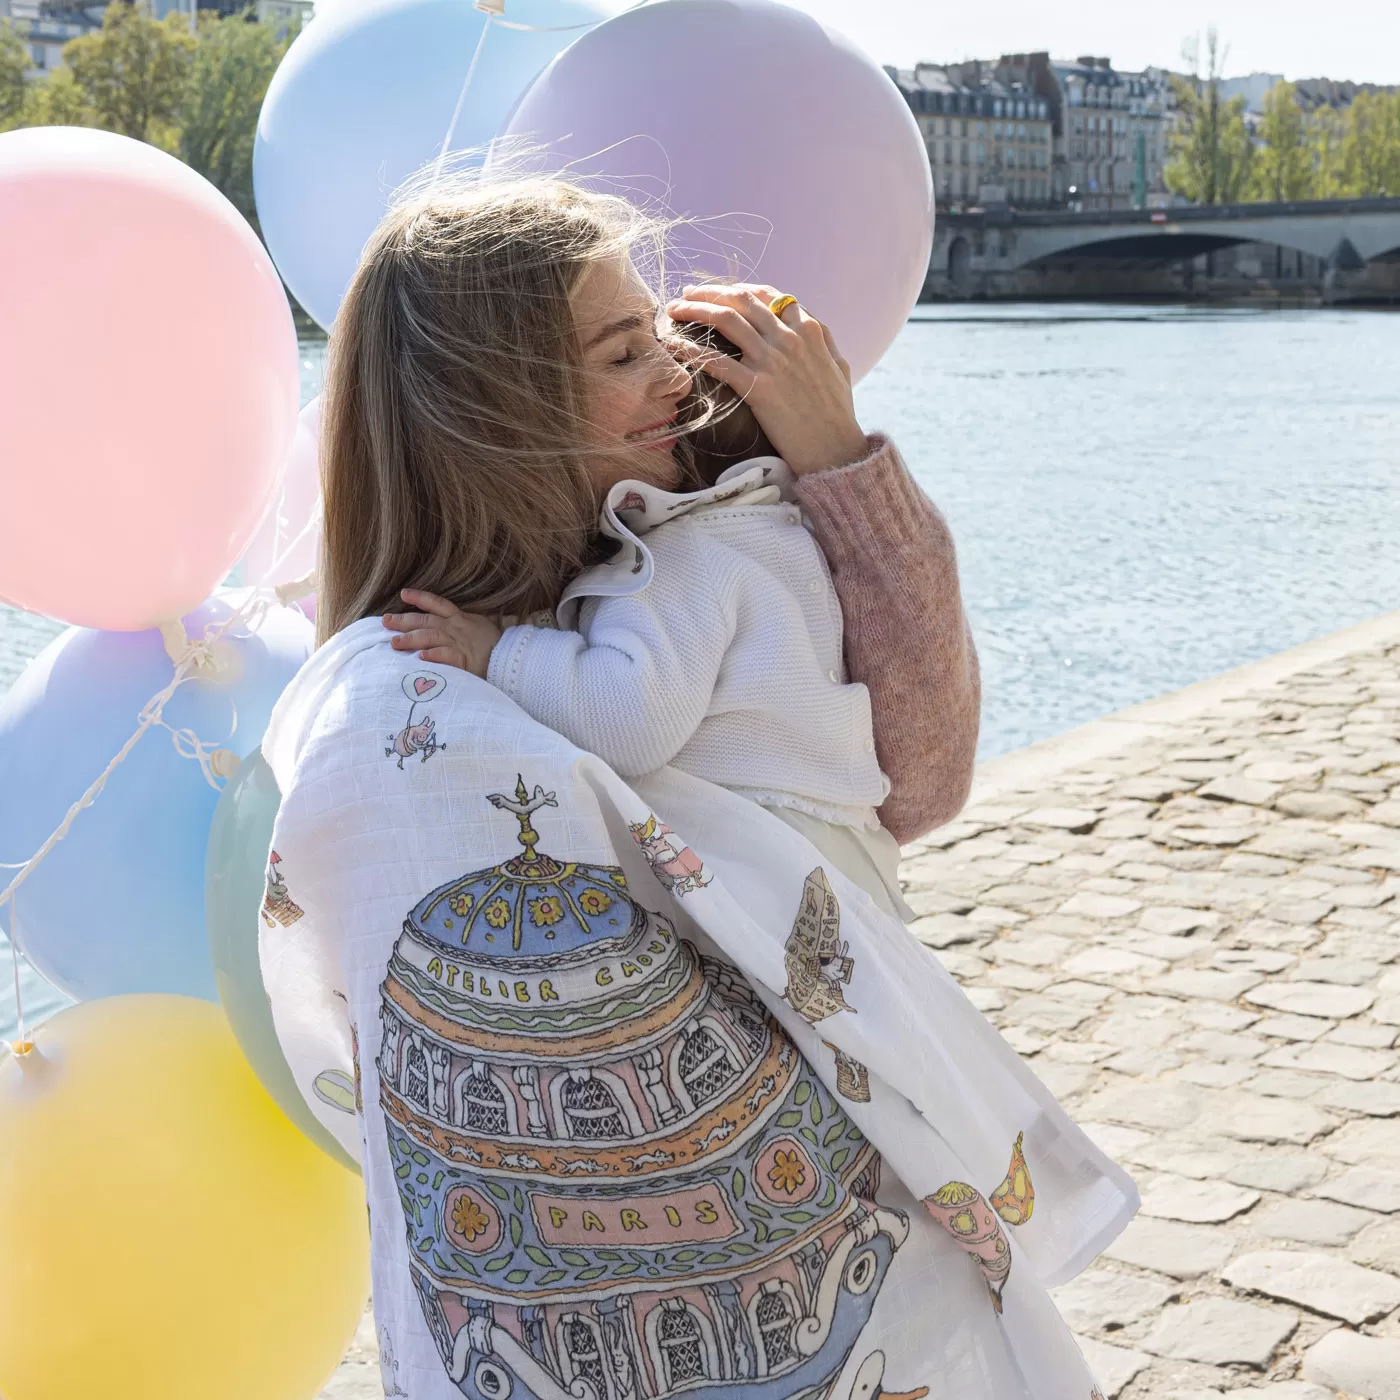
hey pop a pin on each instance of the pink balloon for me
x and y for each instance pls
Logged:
(148, 380)
(285, 547)
(721, 109)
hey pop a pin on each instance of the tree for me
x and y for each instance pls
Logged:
(1211, 150)
(14, 63)
(1283, 160)
(1327, 130)
(233, 64)
(1371, 150)
(134, 72)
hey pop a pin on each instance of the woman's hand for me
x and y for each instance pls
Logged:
(792, 376)
(442, 633)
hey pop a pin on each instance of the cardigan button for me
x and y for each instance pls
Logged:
(834, 677)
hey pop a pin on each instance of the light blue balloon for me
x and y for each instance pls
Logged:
(364, 99)
(236, 881)
(118, 905)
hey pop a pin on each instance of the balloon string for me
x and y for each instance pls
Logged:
(492, 19)
(461, 99)
(20, 1045)
(215, 763)
(545, 28)
(282, 550)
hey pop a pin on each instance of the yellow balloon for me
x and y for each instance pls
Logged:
(166, 1233)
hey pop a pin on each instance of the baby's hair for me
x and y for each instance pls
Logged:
(724, 430)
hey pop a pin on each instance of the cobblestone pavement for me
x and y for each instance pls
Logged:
(1191, 940)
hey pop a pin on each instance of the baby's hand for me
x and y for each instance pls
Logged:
(442, 633)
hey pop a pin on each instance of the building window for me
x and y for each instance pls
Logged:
(482, 1104)
(679, 1336)
(581, 1344)
(775, 1325)
(704, 1066)
(591, 1111)
(752, 1028)
(415, 1076)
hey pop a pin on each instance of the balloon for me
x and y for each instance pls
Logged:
(364, 99)
(148, 380)
(236, 876)
(166, 1232)
(798, 152)
(118, 904)
(284, 549)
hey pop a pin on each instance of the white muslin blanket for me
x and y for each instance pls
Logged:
(648, 1100)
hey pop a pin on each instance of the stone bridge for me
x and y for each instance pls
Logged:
(1338, 250)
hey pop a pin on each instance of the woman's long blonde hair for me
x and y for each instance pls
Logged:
(454, 443)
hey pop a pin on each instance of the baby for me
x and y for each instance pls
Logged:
(710, 640)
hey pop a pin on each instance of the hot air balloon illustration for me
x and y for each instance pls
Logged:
(1014, 1199)
(965, 1214)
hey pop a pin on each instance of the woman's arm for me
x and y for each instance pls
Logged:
(893, 559)
(896, 572)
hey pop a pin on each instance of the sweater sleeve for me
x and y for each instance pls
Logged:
(634, 682)
(895, 568)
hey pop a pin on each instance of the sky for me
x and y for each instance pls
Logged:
(1356, 39)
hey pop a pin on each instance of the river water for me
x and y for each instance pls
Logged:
(1142, 497)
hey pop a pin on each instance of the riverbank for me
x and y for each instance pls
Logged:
(1184, 915)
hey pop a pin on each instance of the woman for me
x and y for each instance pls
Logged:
(648, 1103)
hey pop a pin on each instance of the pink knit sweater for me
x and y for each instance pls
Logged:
(896, 572)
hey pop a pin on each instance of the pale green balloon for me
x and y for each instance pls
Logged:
(235, 881)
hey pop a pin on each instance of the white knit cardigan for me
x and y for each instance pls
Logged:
(710, 642)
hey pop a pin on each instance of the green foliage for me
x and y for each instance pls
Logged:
(1283, 164)
(1327, 132)
(1212, 155)
(1325, 154)
(14, 59)
(195, 95)
(1371, 150)
(233, 64)
(134, 72)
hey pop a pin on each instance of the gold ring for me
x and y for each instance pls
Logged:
(780, 304)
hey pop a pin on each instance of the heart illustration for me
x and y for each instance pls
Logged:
(423, 685)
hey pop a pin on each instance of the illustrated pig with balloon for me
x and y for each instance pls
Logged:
(174, 1221)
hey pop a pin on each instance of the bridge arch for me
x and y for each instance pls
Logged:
(1144, 248)
(959, 261)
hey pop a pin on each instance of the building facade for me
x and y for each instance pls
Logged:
(46, 28)
(1110, 128)
(988, 141)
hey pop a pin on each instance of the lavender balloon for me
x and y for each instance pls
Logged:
(791, 147)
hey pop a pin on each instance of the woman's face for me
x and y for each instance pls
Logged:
(635, 385)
